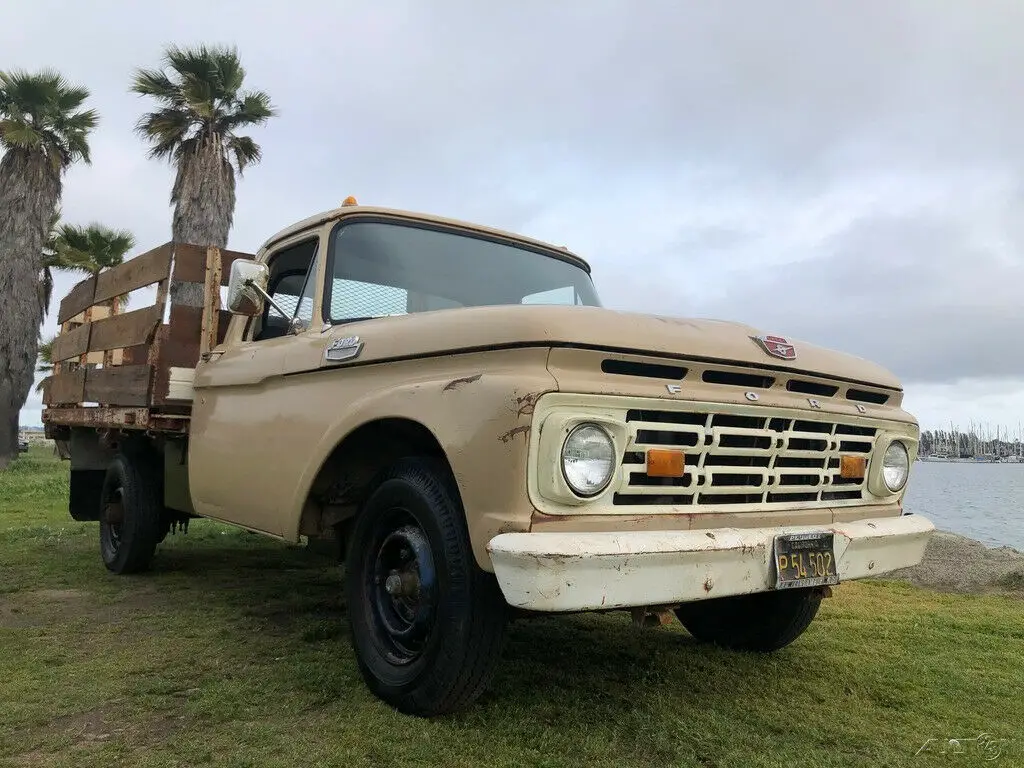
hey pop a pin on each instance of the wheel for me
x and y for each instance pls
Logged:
(426, 622)
(764, 621)
(131, 504)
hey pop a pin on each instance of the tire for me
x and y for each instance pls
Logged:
(763, 622)
(130, 509)
(430, 645)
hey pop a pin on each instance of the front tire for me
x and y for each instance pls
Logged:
(763, 622)
(130, 508)
(426, 622)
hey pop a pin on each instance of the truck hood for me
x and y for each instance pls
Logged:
(473, 328)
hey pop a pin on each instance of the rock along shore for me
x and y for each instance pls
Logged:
(956, 563)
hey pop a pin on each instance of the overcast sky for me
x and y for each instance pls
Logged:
(847, 174)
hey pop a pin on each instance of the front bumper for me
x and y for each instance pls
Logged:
(596, 571)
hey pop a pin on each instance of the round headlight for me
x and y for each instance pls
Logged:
(895, 466)
(588, 459)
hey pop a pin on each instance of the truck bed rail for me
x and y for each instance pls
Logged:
(131, 369)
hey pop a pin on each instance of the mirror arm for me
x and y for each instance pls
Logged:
(266, 296)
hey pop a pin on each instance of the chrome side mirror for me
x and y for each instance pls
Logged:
(247, 287)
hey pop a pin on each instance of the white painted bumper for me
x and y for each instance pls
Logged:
(587, 571)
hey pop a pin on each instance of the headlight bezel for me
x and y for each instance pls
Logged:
(876, 479)
(905, 454)
(554, 431)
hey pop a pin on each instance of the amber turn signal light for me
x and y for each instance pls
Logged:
(852, 467)
(664, 462)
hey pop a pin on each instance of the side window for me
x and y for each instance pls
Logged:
(304, 305)
(292, 284)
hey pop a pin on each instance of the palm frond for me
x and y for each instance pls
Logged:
(165, 128)
(18, 134)
(253, 108)
(244, 151)
(45, 351)
(155, 83)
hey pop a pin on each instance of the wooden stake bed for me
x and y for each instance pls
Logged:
(131, 370)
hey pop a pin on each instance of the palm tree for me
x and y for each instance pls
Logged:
(89, 249)
(201, 108)
(92, 248)
(43, 131)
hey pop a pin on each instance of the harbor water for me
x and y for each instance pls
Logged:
(982, 500)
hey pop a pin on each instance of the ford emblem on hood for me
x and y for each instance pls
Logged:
(776, 346)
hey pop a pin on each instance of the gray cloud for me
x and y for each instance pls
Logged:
(843, 173)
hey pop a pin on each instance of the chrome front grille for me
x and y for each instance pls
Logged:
(745, 456)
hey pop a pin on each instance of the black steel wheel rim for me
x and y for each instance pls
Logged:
(113, 516)
(403, 589)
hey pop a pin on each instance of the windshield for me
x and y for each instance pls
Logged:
(381, 269)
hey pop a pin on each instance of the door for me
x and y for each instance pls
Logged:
(240, 412)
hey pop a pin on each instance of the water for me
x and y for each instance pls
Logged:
(984, 501)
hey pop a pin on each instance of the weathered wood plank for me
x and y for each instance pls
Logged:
(190, 263)
(145, 269)
(211, 303)
(127, 330)
(65, 388)
(79, 298)
(71, 344)
(121, 385)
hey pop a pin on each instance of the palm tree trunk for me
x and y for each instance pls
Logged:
(30, 188)
(204, 204)
(204, 196)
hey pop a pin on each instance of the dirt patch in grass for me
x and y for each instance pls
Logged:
(41, 607)
(90, 730)
(955, 563)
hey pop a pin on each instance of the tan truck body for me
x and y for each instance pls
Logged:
(285, 435)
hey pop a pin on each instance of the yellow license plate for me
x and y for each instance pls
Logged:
(805, 560)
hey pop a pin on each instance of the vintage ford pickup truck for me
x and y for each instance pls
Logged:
(452, 408)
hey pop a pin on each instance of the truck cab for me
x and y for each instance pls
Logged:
(452, 410)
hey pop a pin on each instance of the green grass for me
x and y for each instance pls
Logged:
(235, 651)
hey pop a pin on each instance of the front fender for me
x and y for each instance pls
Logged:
(479, 408)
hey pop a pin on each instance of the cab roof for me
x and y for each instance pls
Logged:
(318, 219)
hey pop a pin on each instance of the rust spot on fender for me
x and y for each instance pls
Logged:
(456, 383)
(708, 584)
(523, 406)
(511, 434)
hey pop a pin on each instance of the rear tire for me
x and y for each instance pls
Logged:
(130, 509)
(426, 622)
(763, 622)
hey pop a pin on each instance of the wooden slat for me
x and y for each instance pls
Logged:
(190, 263)
(119, 385)
(71, 344)
(211, 303)
(79, 298)
(65, 388)
(127, 330)
(143, 270)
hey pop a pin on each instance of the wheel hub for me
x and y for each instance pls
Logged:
(404, 592)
